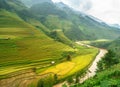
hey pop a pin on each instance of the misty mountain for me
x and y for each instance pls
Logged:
(115, 25)
(61, 5)
(12, 5)
(29, 3)
(115, 46)
(75, 25)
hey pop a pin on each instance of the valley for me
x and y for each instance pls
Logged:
(26, 52)
(50, 44)
(91, 71)
(26, 77)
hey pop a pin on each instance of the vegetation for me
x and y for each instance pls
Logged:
(108, 61)
(108, 72)
(70, 80)
(100, 43)
(108, 78)
(70, 23)
(23, 43)
(36, 44)
(76, 64)
(115, 47)
(25, 47)
(46, 82)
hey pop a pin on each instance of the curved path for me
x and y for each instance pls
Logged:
(91, 71)
(28, 76)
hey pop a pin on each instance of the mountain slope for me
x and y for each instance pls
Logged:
(22, 45)
(46, 8)
(115, 46)
(12, 5)
(107, 78)
(29, 3)
(81, 26)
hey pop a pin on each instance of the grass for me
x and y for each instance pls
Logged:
(107, 78)
(78, 63)
(95, 41)
(100, 43)
(23, 46)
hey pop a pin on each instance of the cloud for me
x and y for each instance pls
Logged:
(81, 5)
(106, 10)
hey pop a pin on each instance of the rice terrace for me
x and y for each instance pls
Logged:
(47, 43)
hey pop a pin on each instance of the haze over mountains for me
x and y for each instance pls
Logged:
(29, 3)
(38, 37)
(79, 25)
(58, 17)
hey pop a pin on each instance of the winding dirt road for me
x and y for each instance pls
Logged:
(91, 71)
(25, 78)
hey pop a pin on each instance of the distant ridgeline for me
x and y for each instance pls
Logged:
(33, 37)
(58, 16)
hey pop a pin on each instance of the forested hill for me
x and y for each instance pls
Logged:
(75, 25)
(58, 16)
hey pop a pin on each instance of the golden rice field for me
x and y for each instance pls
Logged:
(22, 46)
(76, 64)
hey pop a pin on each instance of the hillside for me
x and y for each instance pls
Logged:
(115, 46)
(37, 44)
(23, 43)
(108, 72)
(75, 25)
(26, 50)
(29, 3)
(107, 78)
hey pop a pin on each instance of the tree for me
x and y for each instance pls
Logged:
(40, 83)
(64, 85)
(110, 59)
(69, 58)
(55, 78)
(47, 81)
(77, 80)
(70, 80)
(100, 66)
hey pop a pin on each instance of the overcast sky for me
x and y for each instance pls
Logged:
(106, 10)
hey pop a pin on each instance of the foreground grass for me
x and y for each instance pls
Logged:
(107, 78)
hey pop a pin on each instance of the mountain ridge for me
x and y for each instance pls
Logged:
(86, 27)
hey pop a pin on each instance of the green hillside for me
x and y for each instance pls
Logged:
(37, 45)
(9, 5)
(22, 44)
(108, 73)
(29, 3)
(115, 46)
(107, 78)
(56, 34)
(24, 47)
(75, 26)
